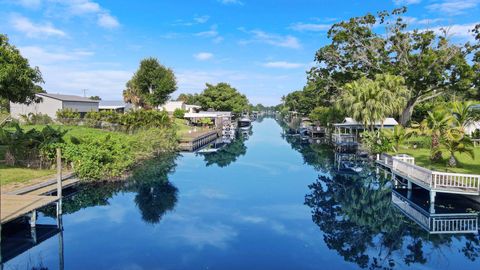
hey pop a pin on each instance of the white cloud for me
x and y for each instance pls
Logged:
(309, 27)
(38, 56)
(406, 2)
(31, 4)
(106, 20)
(31, 29)
(83, 8)
(453, 7)
(231, 2)
(108, 84)
(201, 19)
(459, 31)
(272, 39)
(282, 64)
(212, 33)
(203, 56)
(414, 20)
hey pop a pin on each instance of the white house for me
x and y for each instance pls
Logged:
(171, 106)
(470, 128)
(50, 103)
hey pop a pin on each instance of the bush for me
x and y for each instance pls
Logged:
(32, 148)
(179, 113)
(36, 119)
(145, 119)
(153, 142)
(102, 118)
(68, 116)
(376, 142)
(102, 157)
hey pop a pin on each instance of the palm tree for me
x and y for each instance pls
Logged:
(455, 141)
(370, 101)
(463, 113)
(398, 136)
(435, 125)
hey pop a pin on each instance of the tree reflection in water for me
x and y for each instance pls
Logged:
(228, 154)
(155, 195)
(359, 221)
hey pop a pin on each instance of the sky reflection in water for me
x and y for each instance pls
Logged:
(258, 204)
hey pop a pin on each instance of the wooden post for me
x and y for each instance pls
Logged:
(59, 173)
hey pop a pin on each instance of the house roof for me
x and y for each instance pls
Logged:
(350, 122)
(113, 104)
(67, 97)
(192, 106)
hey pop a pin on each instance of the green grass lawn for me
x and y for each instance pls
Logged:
(19, 174)
(183, 129)
(465, 163)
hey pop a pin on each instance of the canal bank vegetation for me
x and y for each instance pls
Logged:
(93, 154)
(428, 82)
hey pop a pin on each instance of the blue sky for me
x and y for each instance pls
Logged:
(262, 48)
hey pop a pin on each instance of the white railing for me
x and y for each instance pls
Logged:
(456, 180)
(413, 171)
(455, 225)
(437, 223)
(418, 216)
(405, 158)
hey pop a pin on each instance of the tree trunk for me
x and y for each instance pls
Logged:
(436, 154)
(407, 112)
(452, 162)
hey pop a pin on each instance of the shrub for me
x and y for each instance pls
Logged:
(36, 119)
(68, 116)
(376, 142)
(206, 121)
(179, 113)
(145, 119)
(33, 146)
(103, 157)
(153, 142)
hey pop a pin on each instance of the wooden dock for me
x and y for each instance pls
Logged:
(194, 143)
(15, 206)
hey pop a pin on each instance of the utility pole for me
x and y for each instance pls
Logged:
(84, 92)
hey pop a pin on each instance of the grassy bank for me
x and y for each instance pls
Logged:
(10, 174)
(422, 157)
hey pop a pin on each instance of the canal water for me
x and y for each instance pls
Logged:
(269, 200)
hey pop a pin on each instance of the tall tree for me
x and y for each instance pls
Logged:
(151, 85)
(430, 65)
(223, 97)
(18, 81)
(474, 93)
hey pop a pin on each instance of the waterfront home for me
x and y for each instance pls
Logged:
(171, 106)
(219, 119)
(114, 105)
(346, 133)
(49, 104)
(475, 125)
